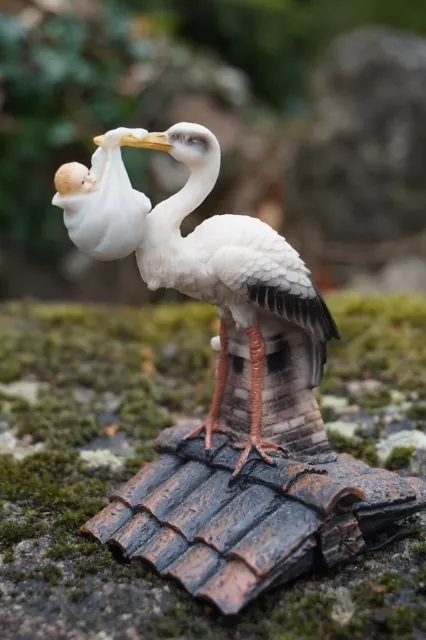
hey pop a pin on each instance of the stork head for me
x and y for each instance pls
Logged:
(189, 143)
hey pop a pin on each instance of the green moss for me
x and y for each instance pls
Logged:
(328, 414)
(48, 573)
(8, 557)
(417, 413)
(420, 579)
(419, 548)
(399, 457)
(383, 338)
(374, 400)
(57, 419)
(14, 531)
(141, 416)
(367, 596)
(405, 619)
(15, 575)
(101, 352)
(306, 616)
(392, 581)
(361, 448)
(71, 547)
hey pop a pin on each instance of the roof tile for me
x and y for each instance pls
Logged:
(238, 517)
(196, 566)
(323, 493)
(341, 539)
(163, 549)
(170, 439)
(202, 504)
(347, 467)
(230, 588)
(147, 479)
(229, 542)
(384, 487)
(137, 531)
(419, 489)
(107, 521)
(265, 546)
(171, 493)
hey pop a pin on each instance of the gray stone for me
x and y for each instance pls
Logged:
(345, 429)
(334, 402)
(359, 171)
(101, 458)
(25, 389)
(416, 439)
(19, 449)
(400, 275)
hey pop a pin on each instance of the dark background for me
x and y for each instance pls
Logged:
(319, 105)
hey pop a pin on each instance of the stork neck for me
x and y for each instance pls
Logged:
(168, 215)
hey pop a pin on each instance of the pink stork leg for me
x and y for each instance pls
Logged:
(211, 423)
(254, 441)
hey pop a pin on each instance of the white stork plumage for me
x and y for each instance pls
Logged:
(235, 262)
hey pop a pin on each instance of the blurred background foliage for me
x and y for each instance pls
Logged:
(72, 69)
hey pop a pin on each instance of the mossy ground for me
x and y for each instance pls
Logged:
(134, 372)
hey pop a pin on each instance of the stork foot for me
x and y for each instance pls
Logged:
(211, 426)
(259, 445)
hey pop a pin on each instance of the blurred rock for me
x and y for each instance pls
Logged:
(415, 439)
(401, 275)
(359, 168)
(76, 265)
(101, 458)
(345, 429)
(25, 389)
(11, 445)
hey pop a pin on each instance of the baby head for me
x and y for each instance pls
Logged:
(73, 178)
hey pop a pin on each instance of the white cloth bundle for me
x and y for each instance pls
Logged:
(108, 223)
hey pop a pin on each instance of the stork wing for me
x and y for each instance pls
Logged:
(279, 282)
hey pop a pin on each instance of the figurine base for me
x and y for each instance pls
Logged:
(227, 542)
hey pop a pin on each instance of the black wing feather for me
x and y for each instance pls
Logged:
(306, 312)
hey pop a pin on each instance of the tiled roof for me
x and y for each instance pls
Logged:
(227, 542)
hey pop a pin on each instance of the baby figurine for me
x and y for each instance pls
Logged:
(74, 177)
(103, 214)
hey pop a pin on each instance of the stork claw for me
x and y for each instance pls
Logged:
(211, 426)
(259, 445)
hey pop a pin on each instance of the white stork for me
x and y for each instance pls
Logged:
(235, 262)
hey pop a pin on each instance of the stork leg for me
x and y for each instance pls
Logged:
(254, 441)
(211, 423)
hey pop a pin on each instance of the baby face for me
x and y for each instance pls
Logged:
(73, 178)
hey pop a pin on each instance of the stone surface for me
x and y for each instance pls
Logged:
(345, 429)
(400, 275)
(359, 170)
(404, 438)
(54, 586)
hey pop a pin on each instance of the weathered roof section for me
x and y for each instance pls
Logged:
(228, 541)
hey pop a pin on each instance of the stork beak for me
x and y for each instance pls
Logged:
(155, 141)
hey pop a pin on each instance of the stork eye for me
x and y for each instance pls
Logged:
(174, 138)
(189, 139)
(82, 182)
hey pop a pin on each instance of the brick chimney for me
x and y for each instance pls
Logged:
(291, 416)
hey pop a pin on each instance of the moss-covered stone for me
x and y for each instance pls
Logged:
(360, 447)
(417, 412)
(137, 371)
(399, 457)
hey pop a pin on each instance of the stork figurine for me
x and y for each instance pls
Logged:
(236, 262)
(301, 508)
